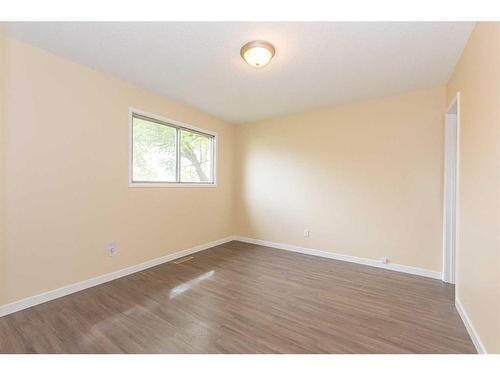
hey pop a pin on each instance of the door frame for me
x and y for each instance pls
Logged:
(450, 192)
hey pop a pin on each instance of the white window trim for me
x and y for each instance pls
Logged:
(133, 184)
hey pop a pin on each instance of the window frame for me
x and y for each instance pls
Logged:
(179, 126)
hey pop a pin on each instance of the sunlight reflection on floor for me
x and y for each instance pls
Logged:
(189, 284)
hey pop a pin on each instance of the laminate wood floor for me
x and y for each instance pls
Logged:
(242, 298)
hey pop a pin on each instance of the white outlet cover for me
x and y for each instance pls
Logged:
(307, 233)
(111, 248)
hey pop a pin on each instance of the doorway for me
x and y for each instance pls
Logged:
(451, 147)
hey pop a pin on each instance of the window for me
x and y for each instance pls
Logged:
(169, 153)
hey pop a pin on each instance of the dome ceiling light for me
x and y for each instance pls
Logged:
(257, 53)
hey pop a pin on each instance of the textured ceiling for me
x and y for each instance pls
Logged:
(316, 64)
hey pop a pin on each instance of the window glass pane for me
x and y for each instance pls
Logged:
(196, 157)
(154, 152)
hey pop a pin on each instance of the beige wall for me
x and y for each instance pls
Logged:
(366, 179)
(477, 78)
(3, 275)
(67, 175)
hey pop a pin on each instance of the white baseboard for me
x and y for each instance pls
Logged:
(73, 288)
(470, 328)
(347, 258)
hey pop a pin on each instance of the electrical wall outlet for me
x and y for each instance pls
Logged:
(111, 248)
(307, 233)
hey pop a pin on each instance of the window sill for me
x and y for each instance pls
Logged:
(169, 185)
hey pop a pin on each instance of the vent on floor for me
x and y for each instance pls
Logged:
(182, 260)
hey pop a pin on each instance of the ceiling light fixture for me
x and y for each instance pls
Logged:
(257, 53)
